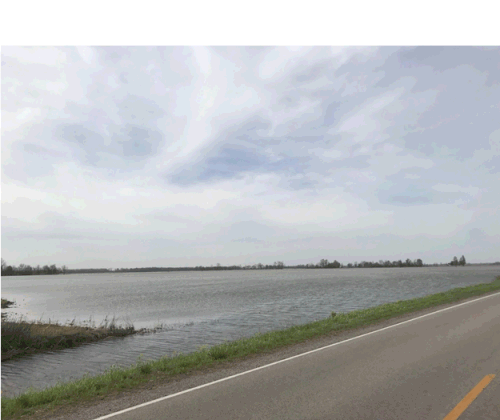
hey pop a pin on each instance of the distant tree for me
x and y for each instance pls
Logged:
(419, 263)
(454, 262)
(323, 263)
(462, 260)
(24, 270)
(334, 264)
(4, 265)
(408, 263)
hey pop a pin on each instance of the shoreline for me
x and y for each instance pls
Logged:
(88, 391)
(21, 337)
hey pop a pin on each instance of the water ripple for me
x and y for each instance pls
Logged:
(200, 309)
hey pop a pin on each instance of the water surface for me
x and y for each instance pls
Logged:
(200, 308)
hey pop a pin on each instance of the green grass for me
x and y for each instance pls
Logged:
(116, 379)
(20, 337)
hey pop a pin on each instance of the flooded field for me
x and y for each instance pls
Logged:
(200, 308)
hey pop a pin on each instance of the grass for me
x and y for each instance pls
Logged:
(6, 303)
(20, 337)
(117, 379)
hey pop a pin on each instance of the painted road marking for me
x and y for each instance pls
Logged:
(108, 416)
(471, 396)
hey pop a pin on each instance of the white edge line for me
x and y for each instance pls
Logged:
(108, 416)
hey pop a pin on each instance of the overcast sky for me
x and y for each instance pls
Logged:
(131, 157)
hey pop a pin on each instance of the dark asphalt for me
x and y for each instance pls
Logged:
(418, 370)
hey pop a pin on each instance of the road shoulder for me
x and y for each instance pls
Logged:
(87, 410)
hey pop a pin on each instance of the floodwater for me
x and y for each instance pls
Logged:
(200, 308)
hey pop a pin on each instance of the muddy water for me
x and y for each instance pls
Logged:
(200, 308)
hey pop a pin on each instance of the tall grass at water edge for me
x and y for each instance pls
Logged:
(20, 336)
(116, 379)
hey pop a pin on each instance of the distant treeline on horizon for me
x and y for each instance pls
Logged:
(26, 270)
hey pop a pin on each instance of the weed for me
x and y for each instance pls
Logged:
(218, 352)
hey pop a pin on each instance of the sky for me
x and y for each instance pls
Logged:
(183, 156)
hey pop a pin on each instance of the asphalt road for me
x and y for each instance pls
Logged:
(420, 369)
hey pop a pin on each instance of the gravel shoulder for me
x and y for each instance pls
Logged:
(88, 410)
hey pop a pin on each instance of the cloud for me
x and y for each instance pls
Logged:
(245, 154)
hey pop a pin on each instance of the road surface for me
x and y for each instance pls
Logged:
(420, 369)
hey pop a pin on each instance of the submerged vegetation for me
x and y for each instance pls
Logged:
(115, 379)
(21, 337)
(6, 303)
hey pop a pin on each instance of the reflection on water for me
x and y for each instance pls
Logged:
(200, 308)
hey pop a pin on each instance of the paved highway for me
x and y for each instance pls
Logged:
(420, 369)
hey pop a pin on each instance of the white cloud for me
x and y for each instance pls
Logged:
(364, 123)
(278, 61)
(49, 56)
(456, 188)
(295, 145)
(87, 54)
(495, 142)
(203, 59)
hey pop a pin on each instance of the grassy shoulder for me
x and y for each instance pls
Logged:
(21, 337)
(118, 379)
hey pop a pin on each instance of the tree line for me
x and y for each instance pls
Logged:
(26, 270)
(324, 263)
(278, 265)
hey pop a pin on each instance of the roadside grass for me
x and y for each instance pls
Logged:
(117, 379)
(21, 337)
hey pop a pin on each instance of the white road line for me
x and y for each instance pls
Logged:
(108, 416)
